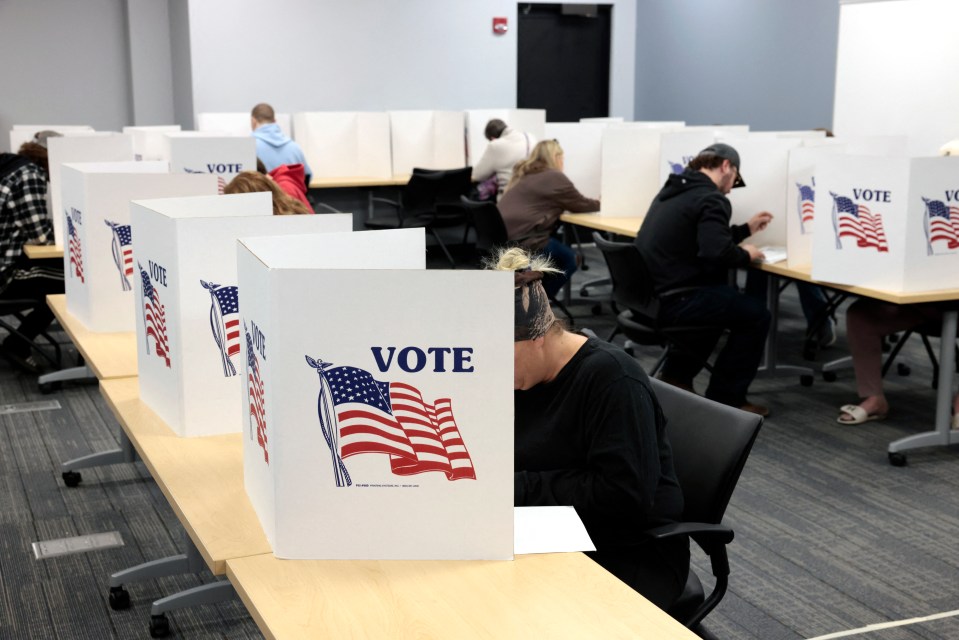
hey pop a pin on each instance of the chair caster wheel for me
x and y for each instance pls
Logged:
(630, 352)
(903, 369)
(584, 292)
(159, 626)
(49, 387)
(119, 598)
(71, 478)
(806, 381)
(829, 376)
(897, 459)
(597, 309)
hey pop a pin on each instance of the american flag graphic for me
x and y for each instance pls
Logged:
(74, 250)
(122, 246)
(806, 206)
(359, 414)
(154, 318)
(675, 167)
(851, 220)
(941, 224)
(257, 396)
(225, 323)
(220, 180)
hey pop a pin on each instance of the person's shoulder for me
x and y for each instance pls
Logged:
(609, 363)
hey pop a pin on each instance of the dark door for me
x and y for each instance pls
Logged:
(563, 60)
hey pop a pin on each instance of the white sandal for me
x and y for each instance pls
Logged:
(858, 415)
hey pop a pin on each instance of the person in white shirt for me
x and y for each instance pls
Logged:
(505, 149)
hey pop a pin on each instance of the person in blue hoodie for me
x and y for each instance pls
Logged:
(274, 147)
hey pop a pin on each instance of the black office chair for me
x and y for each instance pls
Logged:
(633, 292)
(710, 443)
(17, 308)
(431, 200)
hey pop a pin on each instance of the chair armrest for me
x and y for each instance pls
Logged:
(701, 532)
(393, 203)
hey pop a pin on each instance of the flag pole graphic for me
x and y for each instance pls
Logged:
(835, 221)
(328, 422)
(216, 326)
(925, 228)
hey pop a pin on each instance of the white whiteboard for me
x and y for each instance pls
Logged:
(896, 72)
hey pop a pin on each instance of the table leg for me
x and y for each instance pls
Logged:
(943, 435)
(771, 367)
(125, 453)
(73, 373)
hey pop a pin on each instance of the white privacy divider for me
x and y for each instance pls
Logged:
(222, 155)
(765, 169)
(582, 144)
(345, 144)
(801, 199)
(21, 133)
(427, 139)
(372, 432)
(98, 267)
(186, 302)
(87, 147)
(531, 121)
(237, 123)
(631, 166)
(678, 148)
(892, 223)
(148, 142)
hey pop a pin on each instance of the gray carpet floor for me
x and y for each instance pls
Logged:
(829, 536)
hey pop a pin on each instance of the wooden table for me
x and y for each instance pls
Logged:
(535, 596)
(108, 355)
(43, 251)
(358, 181)
(619, 226)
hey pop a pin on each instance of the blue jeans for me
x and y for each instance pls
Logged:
(716, 308)
(564, 258)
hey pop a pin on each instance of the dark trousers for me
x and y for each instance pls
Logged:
(564, 258)
(656, 569)
(45, 278)
(719, 308)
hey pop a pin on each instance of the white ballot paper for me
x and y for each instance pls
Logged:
(549, 530)
(773, 254)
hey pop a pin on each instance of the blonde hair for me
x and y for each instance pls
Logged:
(532, 315)
(253, 182)
(519, 259)
(541, 158)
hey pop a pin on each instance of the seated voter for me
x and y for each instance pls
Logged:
(290, 178)
(24, 220)
(506, 147)
(253, 181)
(589, 433)
(274, 147)
(689, 245)
(536, 196)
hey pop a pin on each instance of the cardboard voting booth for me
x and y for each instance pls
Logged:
(631, 167)
(223, 156)
(186, 302)
(531, 121)
(373, 432)
(801, 200)
(887, 223)
(678, 148)
(428, 140)
(80, 148)
(148, 142)
(237, 123)
(765, 165)
(582, 144)
(21, 133)
(98, 267)
(345, 144)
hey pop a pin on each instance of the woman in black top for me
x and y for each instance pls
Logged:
(590, 433)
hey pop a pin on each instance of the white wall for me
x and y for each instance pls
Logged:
(370, 55)
(64, 62)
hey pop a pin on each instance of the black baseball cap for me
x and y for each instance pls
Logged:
(726, 152)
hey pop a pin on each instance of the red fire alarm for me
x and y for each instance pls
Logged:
(499, 26)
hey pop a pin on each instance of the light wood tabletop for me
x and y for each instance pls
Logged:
(536, 596)
(358, 181)
(804, 274)
(109, 355)
(43, 251)
(201, 478)
(620, 226)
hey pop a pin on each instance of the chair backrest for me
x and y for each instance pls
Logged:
(419, 194)
(710, 443)
(488, 224)
(632, 286)
(449, 184)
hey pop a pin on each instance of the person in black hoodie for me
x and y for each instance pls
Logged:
(589, 433)
(689, 246)
(24, 220)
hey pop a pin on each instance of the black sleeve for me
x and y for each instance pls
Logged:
(716, 239)
(622, 460)
(740, 232)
